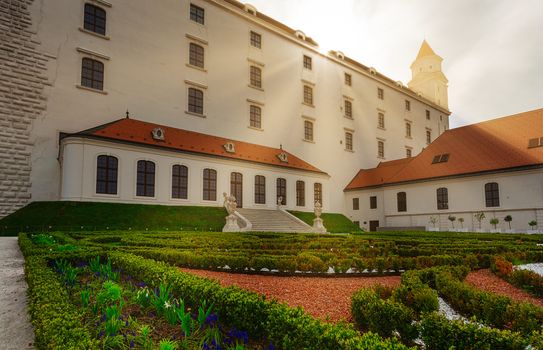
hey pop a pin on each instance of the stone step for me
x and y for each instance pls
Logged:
(273, 221)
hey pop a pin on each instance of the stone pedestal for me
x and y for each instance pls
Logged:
(318, 226)
(231, 224)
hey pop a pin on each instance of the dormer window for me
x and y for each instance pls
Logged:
(250, 9)
(441, 158)
(229, 147)
(340, 55)
(535, 142)
(158, 134)
(283, 157)
(300, 35)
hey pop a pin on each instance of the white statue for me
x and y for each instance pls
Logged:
(231, 220)
(279, 201)
(318, 225)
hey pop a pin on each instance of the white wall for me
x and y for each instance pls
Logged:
(521, 196)
(79, 176)
(146, 73)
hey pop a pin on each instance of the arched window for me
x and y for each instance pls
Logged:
(402, 201)
(442, 198)
(317, 192)
(196, 55)
(210, 185)
(492, 194)
(282, 190)
(92, 73)
(196, 101)
(106, 174)
(300, 193)
(255, 77)
(180, 177)
(145, 186)
(260, 189)
(95, 19)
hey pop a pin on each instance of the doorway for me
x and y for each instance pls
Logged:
(373, 225)
(236, 188)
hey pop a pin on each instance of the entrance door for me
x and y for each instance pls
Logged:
(236, 187)
(373, 225)
(282, 191)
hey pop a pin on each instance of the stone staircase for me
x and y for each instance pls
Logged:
(264, 220)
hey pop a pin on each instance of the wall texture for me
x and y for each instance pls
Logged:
(22, 100)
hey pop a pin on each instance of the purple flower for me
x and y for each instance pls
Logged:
(132, 344)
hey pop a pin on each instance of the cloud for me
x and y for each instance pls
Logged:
(492, 49)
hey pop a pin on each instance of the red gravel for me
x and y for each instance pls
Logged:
(489, 282)
(319, 296)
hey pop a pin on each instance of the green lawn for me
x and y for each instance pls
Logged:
(67, 216)
(334, 223)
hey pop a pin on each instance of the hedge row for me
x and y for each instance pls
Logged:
(57, 322)
(287, 328)
(524, 279)
(410, 309)
(306, 261)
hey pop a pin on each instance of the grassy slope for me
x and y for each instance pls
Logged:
(334, 223)
(73, 215)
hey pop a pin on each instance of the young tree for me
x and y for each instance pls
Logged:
(532, 224)
(508, 219)
(452, 219)
(461, 221)
(433, 220)
(479, 217)
(494, 222)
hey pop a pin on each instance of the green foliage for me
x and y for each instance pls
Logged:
(334, 223)
(42, 239)
(494, 222)
(167, 345)
(439, 333)
(532, 223)
(527, 280)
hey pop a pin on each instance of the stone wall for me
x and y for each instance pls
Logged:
(22, 100)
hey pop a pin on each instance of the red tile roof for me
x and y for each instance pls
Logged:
(140, 132)
(495, 145)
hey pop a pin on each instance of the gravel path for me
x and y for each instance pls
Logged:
(537, 268)
(16, 331)
(487, 281)
(319, 296)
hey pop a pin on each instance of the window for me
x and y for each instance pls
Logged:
(197, 14)
(402, 201)
(348, 79)
(356, 203)
(381, 120)
(348, 109)
(348, 141)
(427, 114)
(428, 136)
(380, 94)
(255, 77)
(441, 158)
(407, 105)
(255, 116)
(300, 193)
(281, 189)
(256, 40)
(492, 194)
(196, 101)
(381, 149)
(180, 177)
(317, 192)
(196, 55)
(260, 189)
(106, 174)
(95, 19)
(308, 130)
(408, 152)
(308, 95)
(373, 202)
(308, 62)
(92, 74)
(408, 129)
(145, 185)
(442, 198)
(210, 185)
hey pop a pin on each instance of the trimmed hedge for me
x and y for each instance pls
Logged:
(287, 328)
(57, 322)
(524, 279)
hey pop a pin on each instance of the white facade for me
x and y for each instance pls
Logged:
(520, 195)
(79, 169)
(146, 70)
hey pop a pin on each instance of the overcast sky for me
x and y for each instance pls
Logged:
(492, 49)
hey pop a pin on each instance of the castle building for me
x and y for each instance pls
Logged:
(179, 101)
(220, 98)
